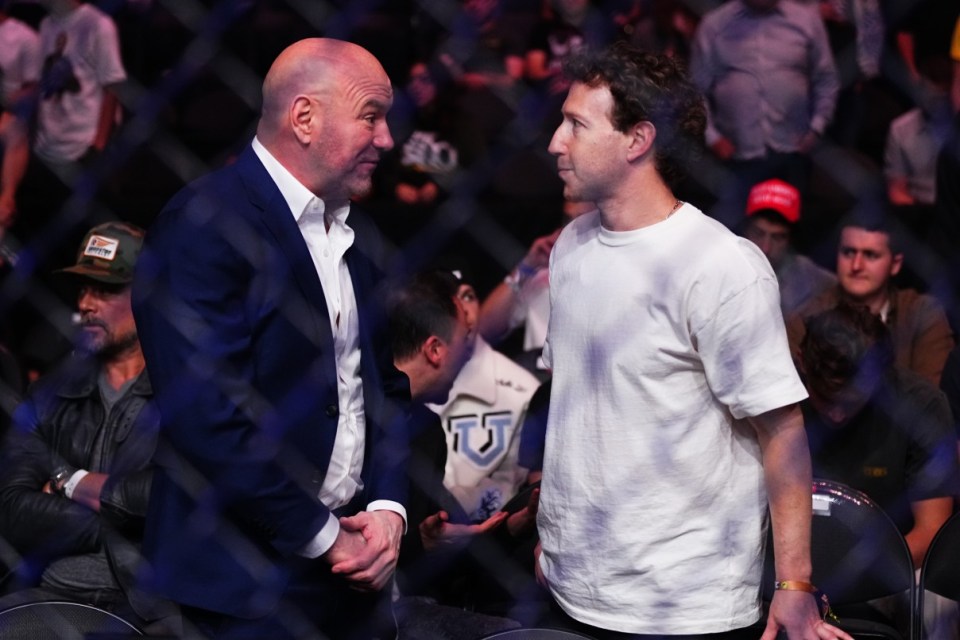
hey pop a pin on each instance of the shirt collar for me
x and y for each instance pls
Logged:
(297, 196)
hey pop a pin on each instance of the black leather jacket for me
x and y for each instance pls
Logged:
(63, 420)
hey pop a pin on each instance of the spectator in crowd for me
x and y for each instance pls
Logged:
(773, 210)
(73, 496)
(483, 54)
(277, 507)
(855, 30)
(81, 67)
(673, 415)
(916, 137)
(876, 427)
(665, 26)
(523, 298)
(766, 112)
(431, 342)
(869, 255)
(20, 64)
(444, 556)
(565, 27)
(882, 430)
(481, 420)
(434, 146)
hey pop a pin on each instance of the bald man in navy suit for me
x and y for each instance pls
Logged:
(277, 508)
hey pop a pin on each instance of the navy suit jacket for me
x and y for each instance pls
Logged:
(234, 326)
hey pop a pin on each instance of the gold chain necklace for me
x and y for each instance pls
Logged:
(676, 206)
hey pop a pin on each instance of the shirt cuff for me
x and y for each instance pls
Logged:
(390, 505)
(324, 539)
(74, 480)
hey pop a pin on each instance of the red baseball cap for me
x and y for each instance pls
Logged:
(777, 196)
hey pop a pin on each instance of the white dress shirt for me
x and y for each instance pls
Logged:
(328, 237)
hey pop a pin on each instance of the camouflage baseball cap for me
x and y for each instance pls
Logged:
(108, 253)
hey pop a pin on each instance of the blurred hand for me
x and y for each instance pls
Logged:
(436, 532)
(406, 193)
(538, 256)
(525, 520)
(541, 579)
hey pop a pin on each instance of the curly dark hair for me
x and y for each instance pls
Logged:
(843, 343)
(648, 87)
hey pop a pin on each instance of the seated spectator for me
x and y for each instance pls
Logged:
(878, 428)
(431, 341)
(482, 420)
(869, 255)
(523, 298)
(916, 137)
(773, 210)
(73, 496)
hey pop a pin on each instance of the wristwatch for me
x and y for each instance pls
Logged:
(59, 478)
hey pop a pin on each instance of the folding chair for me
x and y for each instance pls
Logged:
(53, 620)
(858, 555)
(537, 634)
(940, 573)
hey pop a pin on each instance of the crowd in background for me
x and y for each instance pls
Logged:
(853, 200)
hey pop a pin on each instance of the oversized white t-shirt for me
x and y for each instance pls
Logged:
(661, 341)
(81, 56)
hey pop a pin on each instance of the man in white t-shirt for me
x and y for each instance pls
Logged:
(81, 63)
(673, 416)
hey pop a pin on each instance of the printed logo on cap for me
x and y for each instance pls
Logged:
(101, 247)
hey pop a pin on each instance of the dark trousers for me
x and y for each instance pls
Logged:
(557, 618)
(313, 608)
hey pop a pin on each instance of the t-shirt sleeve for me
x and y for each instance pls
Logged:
(109, 65)
(742, 343)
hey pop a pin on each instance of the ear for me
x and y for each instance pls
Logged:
(642, 136)
(434, 350)
(896, 265)
(304, 118)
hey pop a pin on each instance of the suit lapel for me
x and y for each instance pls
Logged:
(276, 217)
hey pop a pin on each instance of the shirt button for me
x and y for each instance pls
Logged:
(332, 410)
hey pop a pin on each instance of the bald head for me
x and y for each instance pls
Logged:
(324, 116)
(313, 66)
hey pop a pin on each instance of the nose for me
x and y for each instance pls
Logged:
(382, 140)
(86, 300)
(556, 146)
(857, 263)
